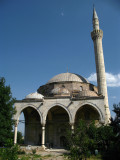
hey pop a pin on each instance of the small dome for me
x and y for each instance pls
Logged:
(55, 90)
(58, 90)
(88, 93)
(35, 95)
(65, 77)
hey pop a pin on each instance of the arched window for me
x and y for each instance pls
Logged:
(91, 87)
(81, 88)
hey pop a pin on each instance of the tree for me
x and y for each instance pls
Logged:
(82, 142)
(110, 137)
(115, 122)
(6, 112)
(113, 151)
(87, 138)
(10, 152)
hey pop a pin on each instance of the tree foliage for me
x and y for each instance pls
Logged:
(115, 122)
(6, 112)
(87, 138)
(81, 142)
(10, 151)
(113, 151)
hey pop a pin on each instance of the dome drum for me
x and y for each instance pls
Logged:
(67, 84)
(60, 91)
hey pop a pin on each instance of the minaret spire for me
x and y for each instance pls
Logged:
(94, 13)
(95, 19)
(97, 35)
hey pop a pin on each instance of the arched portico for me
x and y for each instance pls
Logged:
(88, 112)
(33, 131)
(53, 105)
(24, 107)
(57, 121)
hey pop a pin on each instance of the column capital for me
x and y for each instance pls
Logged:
(72, 124)
(72, 127)
(102, 121)
(16, 123)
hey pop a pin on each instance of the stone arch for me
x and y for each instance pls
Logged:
(57, 121)
(26, 106)
(33, 130)
(92, 106)
(60, 105)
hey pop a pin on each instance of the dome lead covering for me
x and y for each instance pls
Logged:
(67, 77)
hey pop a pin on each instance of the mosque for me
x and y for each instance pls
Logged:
(63, 100)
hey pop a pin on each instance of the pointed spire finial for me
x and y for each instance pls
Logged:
(95, 19)
(94, 13)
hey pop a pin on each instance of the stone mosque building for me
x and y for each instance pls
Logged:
(63, 100)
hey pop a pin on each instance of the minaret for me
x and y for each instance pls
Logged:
(97, 35)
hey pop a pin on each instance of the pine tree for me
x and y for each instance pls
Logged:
(6, 112)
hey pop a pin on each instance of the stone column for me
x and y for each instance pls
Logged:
(43, 136)
(15, 133)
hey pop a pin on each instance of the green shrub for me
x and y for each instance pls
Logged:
(10, 153)
(21, 152)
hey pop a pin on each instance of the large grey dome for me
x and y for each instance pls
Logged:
(67, 77)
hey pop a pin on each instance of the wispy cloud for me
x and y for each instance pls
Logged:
(114, 97)
(92, 77)
(62, 13)
(112, 80)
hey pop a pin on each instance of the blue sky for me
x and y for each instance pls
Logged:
(42, 38)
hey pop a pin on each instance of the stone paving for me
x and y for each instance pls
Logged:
(48, 154)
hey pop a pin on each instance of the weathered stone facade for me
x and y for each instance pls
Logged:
(64, 103)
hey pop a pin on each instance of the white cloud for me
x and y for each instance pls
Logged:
(92, 77)
(112, 80)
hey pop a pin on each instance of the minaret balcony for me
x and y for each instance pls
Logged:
(97, 33)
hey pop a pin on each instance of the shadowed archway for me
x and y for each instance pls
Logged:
(88, 113)
(56, 124)
(32, 126)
